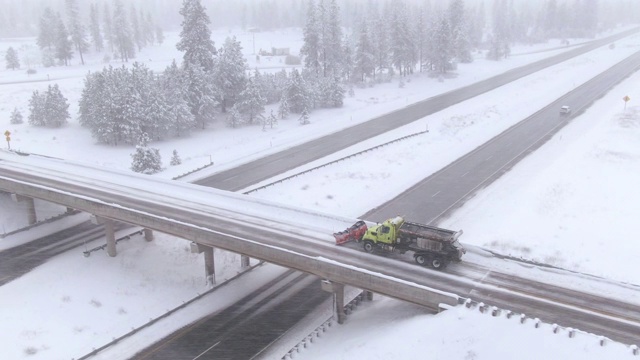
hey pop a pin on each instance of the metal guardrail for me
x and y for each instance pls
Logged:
(335, 161)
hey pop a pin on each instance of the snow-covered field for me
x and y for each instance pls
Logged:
(575, 201)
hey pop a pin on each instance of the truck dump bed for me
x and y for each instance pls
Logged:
(429, 232)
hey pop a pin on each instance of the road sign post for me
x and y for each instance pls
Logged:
(7, 134)
(626, 100)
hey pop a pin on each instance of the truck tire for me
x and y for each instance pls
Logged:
(421, 259)
(438, 263)
(369, 246)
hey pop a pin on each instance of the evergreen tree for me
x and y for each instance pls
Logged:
(37, 109)
(198, 60)
(379, 47)
(304, 117)
(96, 34)
(230, 73)
(234, 119)
(148, 28)
(122, 33)
(298, 94)
(64, 46)
(48, 27)
(175, 89)
(195, 37)
(332, 42)
(16, 117)
(56, 107)
(402, 46)
(271, 120)
(146, 160)
(311, 48)
(77, 30)
(175, 158)
(108, 27)
(251, 103)
(136, 28)
(499, 43)
(364, 57)
(441, 51)
(459, 31)
(11, 58)
(283, 108)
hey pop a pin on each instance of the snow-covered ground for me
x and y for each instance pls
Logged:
(575, 200)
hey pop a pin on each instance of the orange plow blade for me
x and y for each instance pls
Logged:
(355, 232)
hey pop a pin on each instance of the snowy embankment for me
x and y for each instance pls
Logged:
(90, 300)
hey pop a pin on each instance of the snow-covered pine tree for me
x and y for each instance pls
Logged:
(310, 50)
(56, 107)
(283, 108)
(270, 121)
(175, 89)
(304, 117)
(230, 73)
(332, 42)
(136, 30)
(16, 117)
(298, 93)
(11, 58)
(195, 36)
(122, 34)
(94, 26)
(148, 28)
(77, 30)
(499, 46)
(64, 46)
(48, 26)
(198, 60)
(234, 118)
(402, 45)
(380, 47)
(441, 51)
(458, 22)
(251, 103)
(36, 109)
(108, 27)
(146, 160)
(175, 158)
(335, 93)
(364, 57)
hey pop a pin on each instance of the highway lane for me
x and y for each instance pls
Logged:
(266, 167)
(453, 185)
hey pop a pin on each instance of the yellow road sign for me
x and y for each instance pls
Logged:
(626, 98)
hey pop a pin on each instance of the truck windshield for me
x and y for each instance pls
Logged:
(384, 230)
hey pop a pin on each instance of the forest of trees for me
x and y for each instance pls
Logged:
(346, 44)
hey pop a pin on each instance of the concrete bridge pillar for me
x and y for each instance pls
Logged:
(109, 233)
(30, 205)
(148, 234)
(368, 295)
(209, 261)
(338, 299)
(244, 261)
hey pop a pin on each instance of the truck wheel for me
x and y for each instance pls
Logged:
(438, 263)
(369, 246)
(421, 260)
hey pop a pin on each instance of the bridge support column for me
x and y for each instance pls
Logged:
(209, 264)
(148, 234)
(338, 299)
(368, 295)
(31, 207)
(244, 261)
(109, 233)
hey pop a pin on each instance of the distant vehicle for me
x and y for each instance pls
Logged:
(565, 110)
(431, 246)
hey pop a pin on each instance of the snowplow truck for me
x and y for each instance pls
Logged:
(431, 246)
